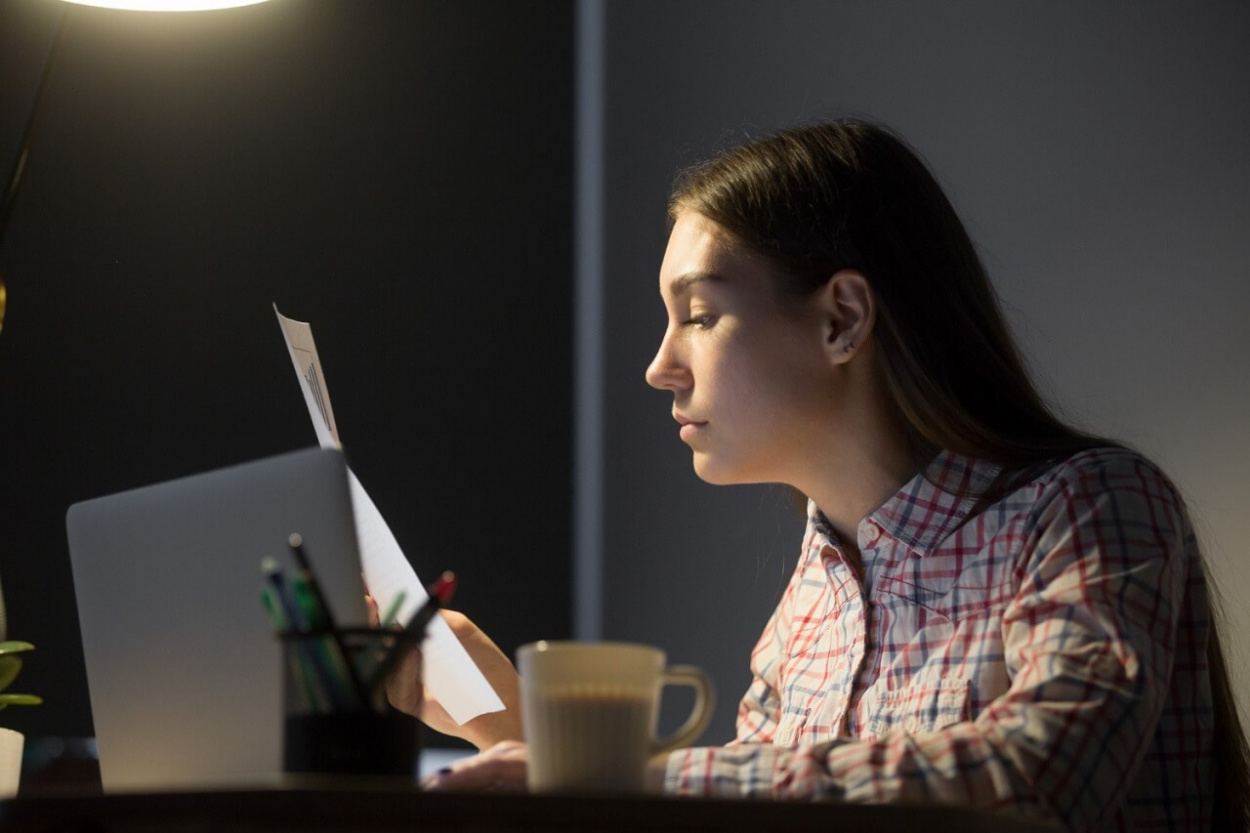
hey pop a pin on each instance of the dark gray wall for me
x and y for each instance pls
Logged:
(1098, 154)
(399, 174)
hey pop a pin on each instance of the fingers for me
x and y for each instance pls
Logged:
(372, 605)
(462, 626)
(403, 687)
(500, 768)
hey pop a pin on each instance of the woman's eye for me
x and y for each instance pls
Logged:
(700, 321)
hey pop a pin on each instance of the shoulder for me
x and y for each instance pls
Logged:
(1113, 489)
(1104, 467)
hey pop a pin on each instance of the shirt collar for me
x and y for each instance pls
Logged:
(930, 506)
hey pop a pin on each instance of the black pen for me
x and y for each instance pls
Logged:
(296, 542)
(440, 593)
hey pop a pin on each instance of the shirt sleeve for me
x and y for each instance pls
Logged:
(1088, 640)
(760, 708)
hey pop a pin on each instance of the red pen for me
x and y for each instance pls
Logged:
(440, 592)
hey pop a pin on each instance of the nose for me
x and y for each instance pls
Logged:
(667, 371)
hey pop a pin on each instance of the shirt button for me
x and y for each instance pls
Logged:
(868, 534)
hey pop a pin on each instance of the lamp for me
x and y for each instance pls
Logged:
(23, 151)
(166, 5)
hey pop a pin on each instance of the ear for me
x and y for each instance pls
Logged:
(849, 313)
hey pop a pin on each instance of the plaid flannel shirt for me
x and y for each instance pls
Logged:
(1046, 656)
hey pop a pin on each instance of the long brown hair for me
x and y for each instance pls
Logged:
(851, 195)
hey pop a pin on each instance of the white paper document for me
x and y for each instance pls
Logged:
(450, 674)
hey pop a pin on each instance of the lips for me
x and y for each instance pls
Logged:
(690, 428)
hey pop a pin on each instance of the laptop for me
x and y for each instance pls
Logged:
(183, 668)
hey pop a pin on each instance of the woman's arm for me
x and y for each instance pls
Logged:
(1088, 643)
(759, 710)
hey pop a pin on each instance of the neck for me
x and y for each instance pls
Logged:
(866, 462)
(857, 489)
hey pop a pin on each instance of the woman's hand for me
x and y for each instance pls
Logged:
(504, 768)
(485, 730)
(406, 694)
(501, 768)
(401, 687)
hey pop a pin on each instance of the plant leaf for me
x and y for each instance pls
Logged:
(9, 666)
(20, 699)
(12, 647)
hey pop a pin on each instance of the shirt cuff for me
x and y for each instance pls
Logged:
(740, 770)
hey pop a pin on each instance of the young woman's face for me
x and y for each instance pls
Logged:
(752, 386)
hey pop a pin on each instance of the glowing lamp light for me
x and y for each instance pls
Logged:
(166, 5)
(15, 178)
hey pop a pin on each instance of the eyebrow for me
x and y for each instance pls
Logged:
(681, 284)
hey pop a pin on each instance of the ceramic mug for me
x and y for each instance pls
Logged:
(589, 712)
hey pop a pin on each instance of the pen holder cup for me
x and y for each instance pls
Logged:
(336, 717)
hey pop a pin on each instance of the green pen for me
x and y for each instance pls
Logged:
(306, 692)
(367, 654)
(340, 676)
(393, 610)
(324, 618)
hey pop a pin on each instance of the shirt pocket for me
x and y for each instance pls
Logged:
(919, 709)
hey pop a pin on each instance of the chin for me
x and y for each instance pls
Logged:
(718, 473)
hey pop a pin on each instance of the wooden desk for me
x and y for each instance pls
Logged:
(384, 810)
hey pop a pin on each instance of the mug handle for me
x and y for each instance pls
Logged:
(704, 700)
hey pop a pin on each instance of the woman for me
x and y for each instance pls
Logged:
(990, 607)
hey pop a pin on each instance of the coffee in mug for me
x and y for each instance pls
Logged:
(590, 709)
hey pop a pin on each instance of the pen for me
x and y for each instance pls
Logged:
(328, 648)
(366, 656)
(393, 610)
(440, 594)
(295, 623)
(338, 650)
(310, 699)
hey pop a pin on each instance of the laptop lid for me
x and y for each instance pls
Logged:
(183, 667)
